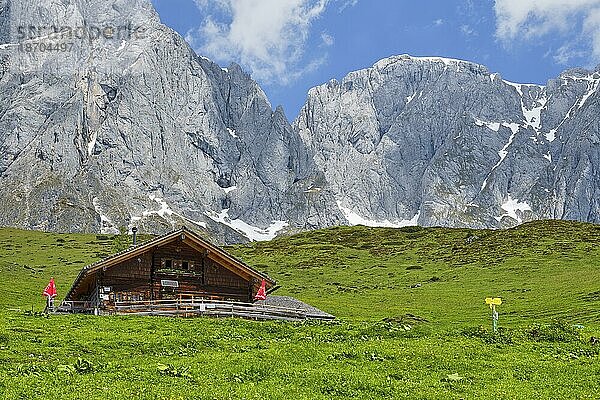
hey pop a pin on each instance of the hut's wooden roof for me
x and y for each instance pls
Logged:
(188, 237)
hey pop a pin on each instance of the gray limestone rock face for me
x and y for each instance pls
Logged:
(109, 119)
(444, 142)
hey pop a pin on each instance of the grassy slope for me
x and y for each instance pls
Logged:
(542, 270)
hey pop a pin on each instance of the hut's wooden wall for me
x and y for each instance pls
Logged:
(129, 275)
(140, 278)
(129, 280)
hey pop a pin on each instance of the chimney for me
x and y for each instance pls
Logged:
(134, 230)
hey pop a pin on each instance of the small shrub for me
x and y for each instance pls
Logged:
(83, 366)
(122, 241)
(176, 372)
(376, 356)
(502, 336)
(37, 314)
(80, 366)
(556, 331)
(28, 370)
(4, 339)
(252, 374)
(411, 229)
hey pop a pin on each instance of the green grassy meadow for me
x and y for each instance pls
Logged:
(412, 322)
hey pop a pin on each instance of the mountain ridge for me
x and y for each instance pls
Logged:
(143, 131)
(528, 114)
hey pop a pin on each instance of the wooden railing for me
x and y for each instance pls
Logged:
(75, 307)
(214, 308)
(197, 307)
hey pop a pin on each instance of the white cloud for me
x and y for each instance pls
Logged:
(466, 30)
(531, 19)
(268, 37)
(591, 27)
(438, 22)
(327, 39)
(566, 53)
(347, 4)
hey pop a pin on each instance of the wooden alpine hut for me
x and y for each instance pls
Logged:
(176, 266)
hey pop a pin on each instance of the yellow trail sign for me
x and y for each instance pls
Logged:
(496, 301)
(493, 302)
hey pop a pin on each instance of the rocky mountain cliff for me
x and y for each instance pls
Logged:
(108, 119)
(123, 124)
(444, 142)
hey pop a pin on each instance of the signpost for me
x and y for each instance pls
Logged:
(493, 302)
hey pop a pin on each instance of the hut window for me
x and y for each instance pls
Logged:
(174, 266)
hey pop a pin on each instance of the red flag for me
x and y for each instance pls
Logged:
(50, 290)
(262, 292)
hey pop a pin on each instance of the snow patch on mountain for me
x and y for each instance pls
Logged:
(410, 98)
(122, 46)
(494, 126)
(517, 86)
(165, 212)
(355, 219)
(92, 143)
(533, 117)
(514, 209)
(198, 223)
(592, 88)
(551, 136)
(253, 233)
(232, 133)
(106, 225)
(514, 127)
(504, 152)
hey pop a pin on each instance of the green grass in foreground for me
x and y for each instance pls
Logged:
(543, 271)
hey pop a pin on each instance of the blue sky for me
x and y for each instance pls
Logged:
(289, 46)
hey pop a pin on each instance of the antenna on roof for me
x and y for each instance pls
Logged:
(134, 230)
